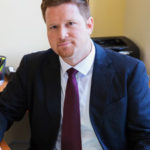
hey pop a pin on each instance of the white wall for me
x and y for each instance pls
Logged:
(22, 29)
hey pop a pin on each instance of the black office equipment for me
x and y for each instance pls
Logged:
(9, 72)
(119, 44)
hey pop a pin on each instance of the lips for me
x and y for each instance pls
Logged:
(64, 44)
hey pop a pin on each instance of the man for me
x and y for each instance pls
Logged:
(113, 92)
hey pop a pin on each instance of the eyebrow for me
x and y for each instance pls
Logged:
(72, 20)
(52, 24)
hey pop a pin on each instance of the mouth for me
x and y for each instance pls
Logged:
(64, 44)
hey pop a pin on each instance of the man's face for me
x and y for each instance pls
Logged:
(68, 32)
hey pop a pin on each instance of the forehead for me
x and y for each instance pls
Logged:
(63, 11)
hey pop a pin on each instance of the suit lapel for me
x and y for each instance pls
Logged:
(53, 86)
(103, 73)
(101, 82)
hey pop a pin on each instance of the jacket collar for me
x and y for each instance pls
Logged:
(103, 73)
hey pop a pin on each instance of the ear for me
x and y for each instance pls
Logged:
(90, 25)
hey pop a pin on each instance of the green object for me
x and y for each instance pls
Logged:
(2, 66)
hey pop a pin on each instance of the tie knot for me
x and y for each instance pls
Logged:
(71, 72)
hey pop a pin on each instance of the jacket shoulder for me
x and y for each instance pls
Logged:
(39, 55)
(117, 60)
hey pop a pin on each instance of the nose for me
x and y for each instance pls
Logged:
(63, 33)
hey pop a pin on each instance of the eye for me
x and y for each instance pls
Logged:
(70, 23)
(53, 27)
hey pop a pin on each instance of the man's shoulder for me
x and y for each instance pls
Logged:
(39, 54)
(116, 58)
(119, 63)
(39, 59)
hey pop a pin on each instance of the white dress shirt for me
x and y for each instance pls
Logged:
(84, 76)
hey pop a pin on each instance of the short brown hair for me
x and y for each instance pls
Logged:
(83, 6)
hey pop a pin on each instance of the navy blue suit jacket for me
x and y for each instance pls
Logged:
(119, 100)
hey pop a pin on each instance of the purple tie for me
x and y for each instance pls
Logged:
(71, 133)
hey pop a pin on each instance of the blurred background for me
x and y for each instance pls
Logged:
(22, 29)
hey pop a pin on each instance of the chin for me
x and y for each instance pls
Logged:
(66, 52)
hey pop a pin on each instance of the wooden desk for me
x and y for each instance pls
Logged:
(3, 85)
(3, 144)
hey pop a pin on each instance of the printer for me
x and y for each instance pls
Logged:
(120, 44)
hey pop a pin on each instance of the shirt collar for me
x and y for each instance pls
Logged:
(84, 66)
